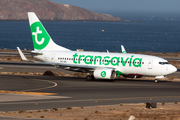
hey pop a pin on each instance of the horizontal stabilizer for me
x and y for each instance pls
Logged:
(33, 52)
(36, 53)
(22, 55)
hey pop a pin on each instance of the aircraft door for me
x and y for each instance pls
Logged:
(150, 64)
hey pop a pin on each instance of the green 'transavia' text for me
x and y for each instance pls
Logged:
(107, 60)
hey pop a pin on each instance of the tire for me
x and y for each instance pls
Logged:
(156, 81)
(89, 78)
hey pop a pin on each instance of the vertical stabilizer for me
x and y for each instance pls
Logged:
(41, 38)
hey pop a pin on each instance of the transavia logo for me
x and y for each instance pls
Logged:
(103, 74)
(36, 34)
(107, 60)
(39, 35)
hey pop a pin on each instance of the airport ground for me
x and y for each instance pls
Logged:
(25, 90)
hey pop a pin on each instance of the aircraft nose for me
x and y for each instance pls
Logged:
(172, 69)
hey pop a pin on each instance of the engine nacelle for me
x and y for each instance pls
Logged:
(104, 73)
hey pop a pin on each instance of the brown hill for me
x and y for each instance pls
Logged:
(47, 10)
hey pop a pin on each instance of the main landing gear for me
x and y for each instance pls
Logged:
(90, 78)
(156, 81)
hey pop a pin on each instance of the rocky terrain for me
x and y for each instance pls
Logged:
(164, 111)
(47, 10)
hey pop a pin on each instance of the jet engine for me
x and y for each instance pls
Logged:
(104, 73)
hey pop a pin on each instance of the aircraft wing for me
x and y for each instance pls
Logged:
(123, 49)
(72, 67)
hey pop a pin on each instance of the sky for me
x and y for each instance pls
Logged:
(125, 5)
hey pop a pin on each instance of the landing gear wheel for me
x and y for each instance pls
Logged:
(156, 81)
(90, 78)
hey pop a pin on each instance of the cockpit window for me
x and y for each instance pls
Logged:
(163, 63)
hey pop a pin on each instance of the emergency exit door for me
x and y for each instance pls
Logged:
(150, 64)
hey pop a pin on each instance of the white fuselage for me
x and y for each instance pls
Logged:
(128, 64)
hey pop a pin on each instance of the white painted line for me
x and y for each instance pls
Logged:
(55, 84)
(19, 97)
(24, 66)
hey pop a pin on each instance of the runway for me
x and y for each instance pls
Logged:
(77, 92)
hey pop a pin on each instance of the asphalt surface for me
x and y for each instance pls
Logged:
(12, 54)
(77, 92)
(21, 66)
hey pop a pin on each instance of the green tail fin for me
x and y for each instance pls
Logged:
(41, 38)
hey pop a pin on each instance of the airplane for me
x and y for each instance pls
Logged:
(98, 65)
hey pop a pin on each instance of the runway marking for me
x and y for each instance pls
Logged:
(32, 93)
(27, 93)
(27, 66)
(137, 98)
(21, 97)
(90, 100)
(55, 84)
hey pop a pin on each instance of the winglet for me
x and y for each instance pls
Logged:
(22, 55)
(123, 49)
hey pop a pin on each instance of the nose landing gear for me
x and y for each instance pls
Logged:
(156, 81)
(158, 77)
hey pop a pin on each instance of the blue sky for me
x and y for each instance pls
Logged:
(125, 5)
